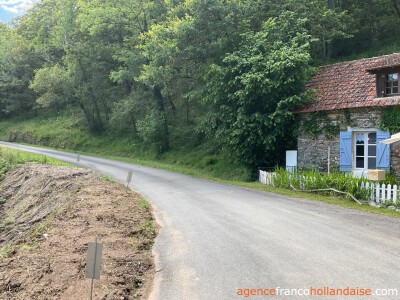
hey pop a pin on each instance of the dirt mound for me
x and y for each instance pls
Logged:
(47, 217)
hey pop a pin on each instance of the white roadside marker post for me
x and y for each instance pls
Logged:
(129, 178)
(93, 263)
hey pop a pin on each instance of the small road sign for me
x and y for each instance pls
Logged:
(129, 178)
(93, 262)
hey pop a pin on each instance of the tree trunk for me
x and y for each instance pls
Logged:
(164, 146)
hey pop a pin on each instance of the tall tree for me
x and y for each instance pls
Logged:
(17, 64)
(256, 88)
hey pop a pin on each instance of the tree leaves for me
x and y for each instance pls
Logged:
(233, 69)
(256, 88)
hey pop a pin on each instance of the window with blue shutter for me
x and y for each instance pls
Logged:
(345, 151)
(382, 151)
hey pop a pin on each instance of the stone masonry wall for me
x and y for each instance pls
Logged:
(395, 160)
(313, 150)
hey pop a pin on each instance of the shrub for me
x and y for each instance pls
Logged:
(313, 180)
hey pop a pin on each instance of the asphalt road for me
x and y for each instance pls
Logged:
(217, 238)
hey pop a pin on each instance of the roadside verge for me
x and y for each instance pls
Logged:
(48, 214)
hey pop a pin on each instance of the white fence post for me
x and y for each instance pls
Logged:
(377, 190)
(381, 193)
(372, 191)
(269, 178)
(378, 193)
(266, 178)
(389, 192)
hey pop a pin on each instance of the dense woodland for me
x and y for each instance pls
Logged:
(182, 73)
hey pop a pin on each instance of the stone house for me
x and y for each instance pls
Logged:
(345, 122)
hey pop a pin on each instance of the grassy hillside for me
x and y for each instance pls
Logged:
(67, 132)
(10, 159)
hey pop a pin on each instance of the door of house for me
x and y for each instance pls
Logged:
(361, 151)
(364, 151)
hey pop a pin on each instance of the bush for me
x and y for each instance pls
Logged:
(150, 129)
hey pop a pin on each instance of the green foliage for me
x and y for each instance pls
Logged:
(108, 178)
(327, 24)
(313, 180)
(312, 124)
(331, 130)
(147, 230)
(26, 246)
(176, 76)
(150, 129)
(256, 88)
(17, 64)
(65, 132)
(390, 179)
(390, 119)
(10, 159)
(6, 222)
(5, 251)
(318, 123)
(144, 204)
(347, 118)
(54, 85)
(373, 21)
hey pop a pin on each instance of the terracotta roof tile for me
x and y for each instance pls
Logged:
(350, 84)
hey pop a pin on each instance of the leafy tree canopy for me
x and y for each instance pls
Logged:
(182, 73)
(256, 88)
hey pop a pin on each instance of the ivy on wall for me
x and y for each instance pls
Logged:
(318, 123)
(390, 119)
(347, 118)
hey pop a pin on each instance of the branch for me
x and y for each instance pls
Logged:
(330, 189)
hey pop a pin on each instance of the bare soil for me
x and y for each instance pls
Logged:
(49, 214)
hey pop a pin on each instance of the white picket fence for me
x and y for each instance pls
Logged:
(380, 193)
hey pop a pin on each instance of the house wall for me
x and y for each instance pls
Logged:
(313, 150)
(395, 160)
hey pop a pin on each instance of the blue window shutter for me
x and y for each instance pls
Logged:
(345, 151)
(382, 151)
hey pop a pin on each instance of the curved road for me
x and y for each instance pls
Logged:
(217, 238)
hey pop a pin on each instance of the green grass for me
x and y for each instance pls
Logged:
(144, 204)
(15, 157)
(27, 246)
(10, 159)
(6, 222)
(147, 231)
(147, 228)
(107, 178)
(5, 251)
(314, 180)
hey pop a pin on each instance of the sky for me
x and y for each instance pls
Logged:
(13, 8)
